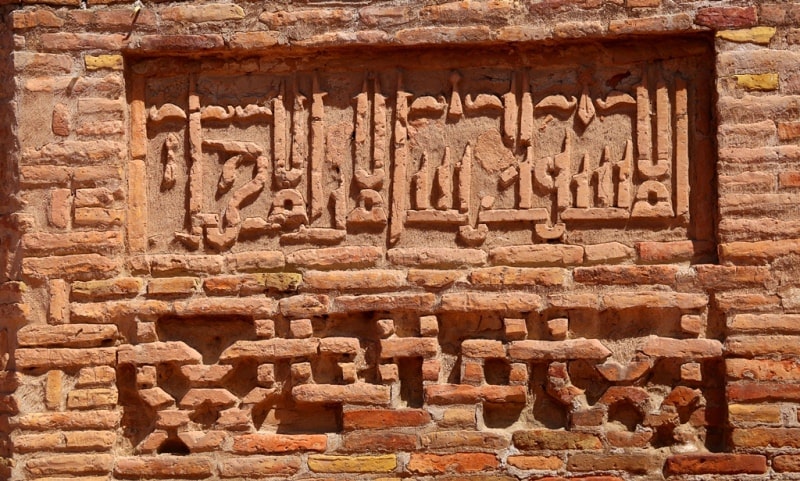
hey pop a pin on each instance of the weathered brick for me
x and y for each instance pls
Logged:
(498, 277)
(170, 286)
(355, 280)
(259, 466)
(381, 441)
(278, 443)
(537, 255)
(551, 439)
(255, 40)
(359, 393)
(408, 347)
(98, 398)
(320, 463)
(454, 463)
(81, 41)
(762, 392)
(70, 464)
(180, 43)
(754, 346)
(386, 302)
(118, 288)
(211, 12)
(464, 440)
(633, 463)
(384, 418)
(41, 358)
(754, 413)
(666, 347)
(726, 17)
(67, 335)
(21, 20)
(716, 463)
(786, 463)
(759, 35)
(500, 302)
(558, 350)
(654, 299)
(164, 466)
(70, 421)
(335, 257)
(761, 437)
(437, 257)
(99, 62)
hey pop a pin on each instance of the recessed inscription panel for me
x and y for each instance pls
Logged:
(582, 144)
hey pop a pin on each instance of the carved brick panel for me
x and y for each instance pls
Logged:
(466, 149)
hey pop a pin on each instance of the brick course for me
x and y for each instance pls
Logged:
(372, 240)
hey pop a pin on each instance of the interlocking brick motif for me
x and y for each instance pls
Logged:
(376, 240)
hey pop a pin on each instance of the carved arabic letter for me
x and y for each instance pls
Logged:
(624, 171)
(511, 112)
(369, 210)
(547, 232)
(614, 101)
(605, 180)
(288, 210)
(465, 179)
(279, 139)
(421, 188)
(526, 113)
(166, 112)
(196, 175)
(682, 148)
(473, 236)
(581, 183)
(428, 106)
(557, 103)
(224, 238)
(339, 200)
(455, 111)
(562, 166)
(253, 112)
(483, 103)
(216, 112)
(585, 107)
(170, 161)
(526, 180)
(399, 180)
(652, 200)
(317, 147)
(444, 183)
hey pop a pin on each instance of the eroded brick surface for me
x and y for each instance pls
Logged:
(475, 241)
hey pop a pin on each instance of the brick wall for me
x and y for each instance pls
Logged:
(377, 240)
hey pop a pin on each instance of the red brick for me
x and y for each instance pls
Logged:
(634, 463)
(786, 463)
(259, 466)
(763, 392)
(720, 18)
(759, 437)
(384, 418)
(716, 463)
(279, 443)
(81, 41)
(180, 43)
(163, 466)
(557, 440)
(464, 440)
(451, 463)
(378, 441)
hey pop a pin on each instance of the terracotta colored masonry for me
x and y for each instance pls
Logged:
(482, 241)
